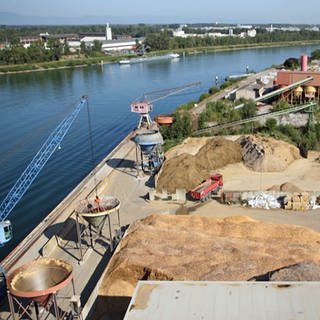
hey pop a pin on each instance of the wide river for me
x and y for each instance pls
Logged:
(32, 105)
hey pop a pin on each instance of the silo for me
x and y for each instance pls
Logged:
(304, 62)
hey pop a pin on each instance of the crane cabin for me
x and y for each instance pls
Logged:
(5, 232)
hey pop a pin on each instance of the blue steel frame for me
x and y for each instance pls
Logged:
(38, 162)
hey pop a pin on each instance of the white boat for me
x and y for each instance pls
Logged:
(148, 59)
(124, 61)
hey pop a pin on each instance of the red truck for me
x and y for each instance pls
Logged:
(207, 188)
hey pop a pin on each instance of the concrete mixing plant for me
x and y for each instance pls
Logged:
(149, 150)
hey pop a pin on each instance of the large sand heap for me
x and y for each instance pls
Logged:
(276, 155)
(204, 156)
(169, 247)
(186, 171)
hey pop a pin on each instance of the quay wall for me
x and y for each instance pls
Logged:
(35, 244)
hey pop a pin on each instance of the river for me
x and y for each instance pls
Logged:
(32, 105)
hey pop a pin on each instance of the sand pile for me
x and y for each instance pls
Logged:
(187, 171)
(285, 187)
(189, 146)
(298, 272)
(267, 154)
(169, 247)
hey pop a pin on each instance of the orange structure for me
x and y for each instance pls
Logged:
(164, 119)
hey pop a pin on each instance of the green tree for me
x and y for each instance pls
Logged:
(66, 48)
(280, 105)
(291, 63)
(37, 51)
(271, 124)
(55, 49)
(97, 45)
(315, 54)
(248, 110)
(83, 47)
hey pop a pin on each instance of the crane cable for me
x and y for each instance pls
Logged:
(92, 149)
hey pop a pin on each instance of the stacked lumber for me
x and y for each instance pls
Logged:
(298, 201)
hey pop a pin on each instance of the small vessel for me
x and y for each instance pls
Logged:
(164, 119)
(124, 61)
(149, 59)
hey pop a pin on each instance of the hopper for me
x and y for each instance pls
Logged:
(38, 279)
(95, 214)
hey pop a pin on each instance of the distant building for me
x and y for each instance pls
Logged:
(305, 93)
(252, 33)
(121, 45)
(179, 32)
(27, 40)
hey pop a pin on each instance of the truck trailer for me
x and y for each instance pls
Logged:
(207, 188)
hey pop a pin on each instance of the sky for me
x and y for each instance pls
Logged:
(166, 11)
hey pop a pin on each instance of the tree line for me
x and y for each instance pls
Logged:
(157, 37)
(39, 51)
(165, 41)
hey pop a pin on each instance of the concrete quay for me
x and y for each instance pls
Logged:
(56, 237)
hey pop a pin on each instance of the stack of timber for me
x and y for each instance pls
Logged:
(298, 201)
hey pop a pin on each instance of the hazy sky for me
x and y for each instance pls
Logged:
(255, 11)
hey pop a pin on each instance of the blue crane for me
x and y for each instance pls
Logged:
(33, 169)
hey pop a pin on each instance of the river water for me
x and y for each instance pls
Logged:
(32, 105)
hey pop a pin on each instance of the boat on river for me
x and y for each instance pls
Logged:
(149, 59)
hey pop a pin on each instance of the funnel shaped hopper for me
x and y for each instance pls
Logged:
(95, 213)
(38, 279)
(147, 139)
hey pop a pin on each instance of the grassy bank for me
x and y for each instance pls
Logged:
(67, 63)
(88, 61)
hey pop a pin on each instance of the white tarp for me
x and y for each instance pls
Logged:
(264, 201)
(313, 204)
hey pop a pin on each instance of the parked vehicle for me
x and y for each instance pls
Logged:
(3, 285)
(207, 188)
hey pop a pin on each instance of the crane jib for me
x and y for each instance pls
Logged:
(38, 162)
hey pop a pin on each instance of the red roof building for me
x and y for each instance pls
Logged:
(308, 92)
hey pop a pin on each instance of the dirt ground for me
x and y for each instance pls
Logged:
(281, 164)
(303, 173)
(132, 262)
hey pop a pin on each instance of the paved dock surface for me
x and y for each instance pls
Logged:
(116, 176)
(56, 236)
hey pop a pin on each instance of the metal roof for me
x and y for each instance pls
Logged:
(155, 300)
(289, 77)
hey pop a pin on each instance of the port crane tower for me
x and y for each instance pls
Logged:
(33, 169)
(143, 104)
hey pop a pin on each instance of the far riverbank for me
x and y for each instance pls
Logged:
(84, 62)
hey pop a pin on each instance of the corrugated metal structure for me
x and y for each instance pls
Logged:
(184, 300)
(308, 92)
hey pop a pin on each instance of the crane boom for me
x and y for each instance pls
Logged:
(38, 162)
(143, 105)
(161, 94)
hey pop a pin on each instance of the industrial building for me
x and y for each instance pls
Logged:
(306, 93)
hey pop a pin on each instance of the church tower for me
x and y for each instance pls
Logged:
(108, 32)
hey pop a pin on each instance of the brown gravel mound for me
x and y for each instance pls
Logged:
(187, 171)
(289, 187)
(169, 247)
(285, 187)
(277, 154)
(298, 272)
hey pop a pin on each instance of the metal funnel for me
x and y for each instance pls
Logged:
(38, 279)
(95, 213)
